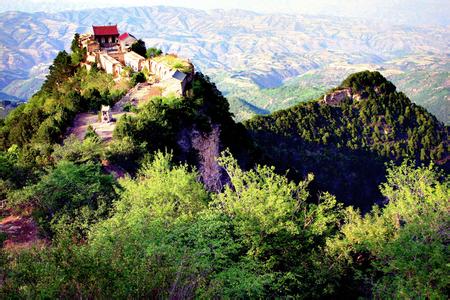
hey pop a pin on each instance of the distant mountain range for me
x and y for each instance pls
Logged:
(262, 62)
(408, 12)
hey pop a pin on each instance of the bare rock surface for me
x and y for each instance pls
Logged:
(337, 97)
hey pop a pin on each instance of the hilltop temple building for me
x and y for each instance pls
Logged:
(106, 36)
(111, 51)
(126, 40)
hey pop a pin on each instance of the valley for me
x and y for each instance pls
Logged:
(262, 62)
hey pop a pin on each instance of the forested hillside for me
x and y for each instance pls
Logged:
(204, 207)
(347, 143)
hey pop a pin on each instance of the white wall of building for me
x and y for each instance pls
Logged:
(134, 60)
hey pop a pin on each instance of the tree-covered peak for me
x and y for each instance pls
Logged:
(346, 137)
(362, 86)
(368, 80)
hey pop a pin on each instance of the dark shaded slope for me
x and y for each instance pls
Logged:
(346, 138)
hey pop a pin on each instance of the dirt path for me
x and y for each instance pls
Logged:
(81, 123)
(141, 93)
(21, 232)
(104, 130)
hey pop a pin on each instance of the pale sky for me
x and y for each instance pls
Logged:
(403, 11)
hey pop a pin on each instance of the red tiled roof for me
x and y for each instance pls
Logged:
(105, 30)
(123, 36)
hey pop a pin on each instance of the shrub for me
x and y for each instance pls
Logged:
(153, 52)
(402, 247)
(137, 78)
(64, 190)
(74, 150)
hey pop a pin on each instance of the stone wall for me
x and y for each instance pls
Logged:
(161, 70)
(134, 60)
(337, 97)
(109, 64)
(117, 55)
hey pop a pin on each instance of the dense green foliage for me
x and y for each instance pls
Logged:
(137, 77)
(161, 233)
(164, 240)
(139, 48)
(67, 190)
(259, 238)
(401, 250)
(356, 135)
(383, 121)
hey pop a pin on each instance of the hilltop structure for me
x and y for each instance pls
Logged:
(106, 36)
(126, 40)
(111, 51)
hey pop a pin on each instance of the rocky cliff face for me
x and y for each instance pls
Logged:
(207, 149)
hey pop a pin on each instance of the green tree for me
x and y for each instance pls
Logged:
(74, 150)
(153, 52)
(75, 46)
(64, 191)
(404, 242)
(78, 53)
(137, 78)
(59, 71)
(139, 48)
(268, 213)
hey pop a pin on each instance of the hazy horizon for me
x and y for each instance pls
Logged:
(411, 12)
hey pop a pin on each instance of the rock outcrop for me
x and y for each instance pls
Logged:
(337, 97)
(207, 147)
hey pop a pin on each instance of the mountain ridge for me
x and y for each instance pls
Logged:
(243, 50)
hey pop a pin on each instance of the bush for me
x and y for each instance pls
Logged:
(165, 239)
(139, 47)
(137, 78)
(153, 52)
(74, 150)
(125, 153)
(401, 250)
(128, 107)
(64, 190)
